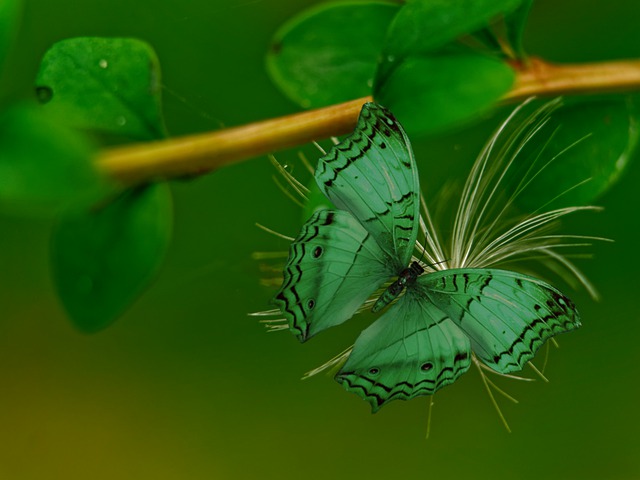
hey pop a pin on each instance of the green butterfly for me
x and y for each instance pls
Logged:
(424, 340)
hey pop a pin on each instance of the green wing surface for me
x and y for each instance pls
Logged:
(506, 315)
(413, 349)
(334, 266)
(373, 175)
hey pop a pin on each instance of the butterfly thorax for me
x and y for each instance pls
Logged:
(405, 278)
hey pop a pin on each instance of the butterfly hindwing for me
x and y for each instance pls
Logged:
(373, 174)
(506, 315)
(334, 266)
(413, 349)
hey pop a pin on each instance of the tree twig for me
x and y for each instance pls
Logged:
(544, 78)
(195, 154)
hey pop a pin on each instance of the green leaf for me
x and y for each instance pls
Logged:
(108, 85)
(329, 53)
(515, 24)
(488, 38)
(431, 93)
(102, 260)
(591, 143)
(44, 166)
(10, 11)
(422, 26)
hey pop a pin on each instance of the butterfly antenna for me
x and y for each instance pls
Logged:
(428, 265)
(424, 250)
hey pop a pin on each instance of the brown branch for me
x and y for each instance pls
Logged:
(201, 153)
(544, 78)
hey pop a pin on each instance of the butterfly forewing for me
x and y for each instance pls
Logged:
(413, 349)
(506, 315)
(334, 266)
(372, 174)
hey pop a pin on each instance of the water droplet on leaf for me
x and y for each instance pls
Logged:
(44, 94)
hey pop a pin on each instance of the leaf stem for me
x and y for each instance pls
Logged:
(201, 153)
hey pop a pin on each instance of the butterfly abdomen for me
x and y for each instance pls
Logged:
(406, 277)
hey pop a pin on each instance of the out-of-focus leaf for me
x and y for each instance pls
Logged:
(9, 17)
(590, 146)
(430, 93)
(103, 259)
(328, 54)
(515, 24)
(108, 85)
(487, 37)
(44, 166)
(422, 26)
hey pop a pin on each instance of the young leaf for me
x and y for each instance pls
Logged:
(44, 166)
(590, 145)
(430, 93)
(103, 259)
(108, 85)
(422, 26)
(515, 24)
(329, 53)
(9, 15)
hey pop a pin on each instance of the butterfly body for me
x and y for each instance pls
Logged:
(406, 278)
(424, 340)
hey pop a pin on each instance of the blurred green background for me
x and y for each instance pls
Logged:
(187, 386)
